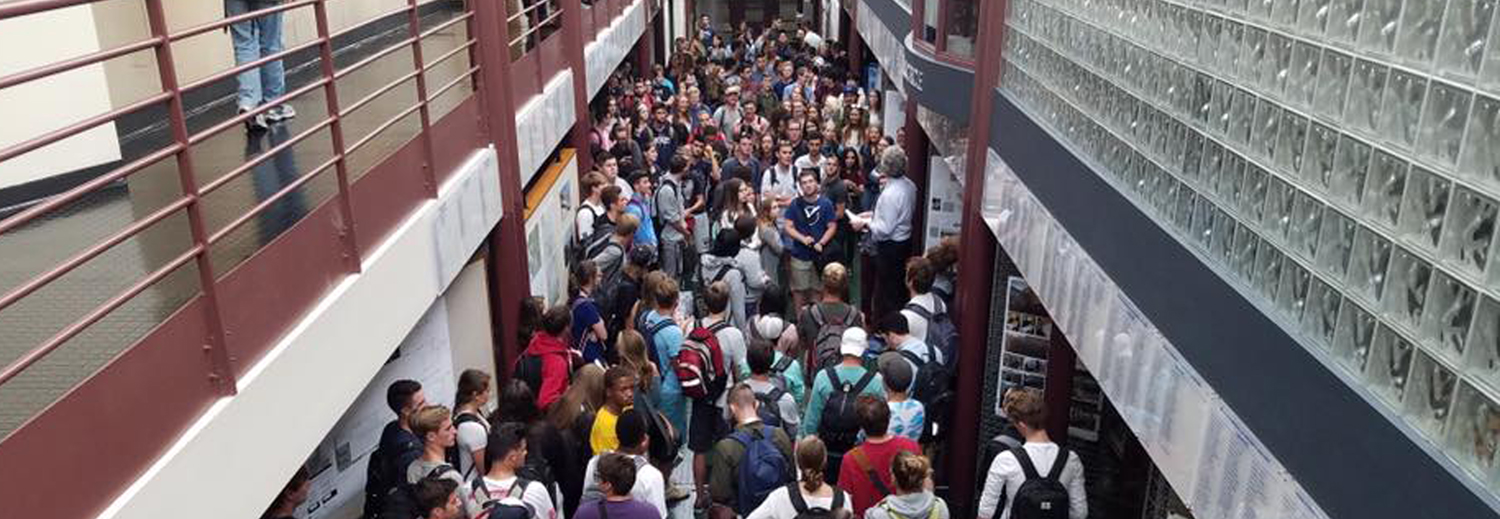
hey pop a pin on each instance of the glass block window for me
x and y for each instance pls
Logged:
(1338, 161)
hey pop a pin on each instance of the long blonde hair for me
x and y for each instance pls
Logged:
(632, 348)
(586, 392)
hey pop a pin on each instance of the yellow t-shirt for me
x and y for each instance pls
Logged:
(602, 437)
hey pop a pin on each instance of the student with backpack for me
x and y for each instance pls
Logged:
(502, 492)
(926, 314)
(1029, 481)
(821, 325)
(468, 417)
(617, 474)
(831, 412)
(866, 471)
(786, 368)
(813, 498)
(588, 330)
(929, 371)
(639, 206)
(777, 406)
(547, 362)
(672, 217)
(911, 499)
(633, 430)
(717, 300)
(664, 338)
(398, 447)
(434, 424)
(720, 265)
(753, 461)
(591, 209)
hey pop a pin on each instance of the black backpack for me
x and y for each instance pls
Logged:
(401, 502)
(1040, 497)
(383, 478)
(770, 407)
(941, 332)
(839, 427)
(830, 334)
(932, 378)
(663, 446)
(799, 503)
(497, 509)
(586, 248)
(455, 455)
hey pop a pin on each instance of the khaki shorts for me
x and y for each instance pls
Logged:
(804, 276)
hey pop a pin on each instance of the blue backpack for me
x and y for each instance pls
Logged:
(762, 470)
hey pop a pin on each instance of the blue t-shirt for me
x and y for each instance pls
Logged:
(907, 419)
(585, 314)
(645, 234)
(668, 345)
(811, 219)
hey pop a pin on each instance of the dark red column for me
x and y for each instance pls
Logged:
(976, 267)
(917, 148)
(509, 284)
(573, 41)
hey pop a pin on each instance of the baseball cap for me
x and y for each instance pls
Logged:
(854, 342)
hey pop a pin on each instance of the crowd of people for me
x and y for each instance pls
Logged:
(712, 352)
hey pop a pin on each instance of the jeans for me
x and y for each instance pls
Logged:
(254, 39)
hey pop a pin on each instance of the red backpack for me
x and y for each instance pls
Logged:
(700, 365)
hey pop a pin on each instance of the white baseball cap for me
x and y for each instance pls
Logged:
(854, 342)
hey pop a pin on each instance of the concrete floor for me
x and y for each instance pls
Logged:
(31, 250)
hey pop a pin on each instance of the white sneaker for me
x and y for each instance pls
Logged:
(280, 112)
(255, 123)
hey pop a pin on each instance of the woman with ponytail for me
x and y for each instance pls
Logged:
(912, 498)
(810, 495)
(589, 331)
(468, 418)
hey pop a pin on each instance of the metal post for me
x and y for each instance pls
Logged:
(221, 373)
(509, 281)
(347, 233)
(573, 40)
(414, 27)
(976, 264)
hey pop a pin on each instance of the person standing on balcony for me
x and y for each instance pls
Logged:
(254, 39)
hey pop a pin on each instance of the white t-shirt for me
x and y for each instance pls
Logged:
(534, 495)
(472, 436)
(650, 486)
(778, 505)
(625, 189)
(587, 213)
(1005, 478)
(916, 324)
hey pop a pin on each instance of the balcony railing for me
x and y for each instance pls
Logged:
(134, 299)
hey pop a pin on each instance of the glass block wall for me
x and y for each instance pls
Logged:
(1337, 161)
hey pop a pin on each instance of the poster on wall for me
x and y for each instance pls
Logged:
(337, 465)
(1025, 342)
(548, 229)
(894, 111)
(944, 203)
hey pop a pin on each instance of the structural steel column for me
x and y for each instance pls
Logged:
(976, 265)
(573, 41)
(509, 283)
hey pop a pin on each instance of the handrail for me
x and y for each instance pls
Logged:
(182, 143)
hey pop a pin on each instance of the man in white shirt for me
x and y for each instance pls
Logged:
(890, 226)
(780, 180)
(592, 186)
(919, 280)
(649, 487)
(505, 454)
(1026, 409)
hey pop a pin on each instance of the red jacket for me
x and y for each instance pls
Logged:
(555, 363)
(853, 479)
